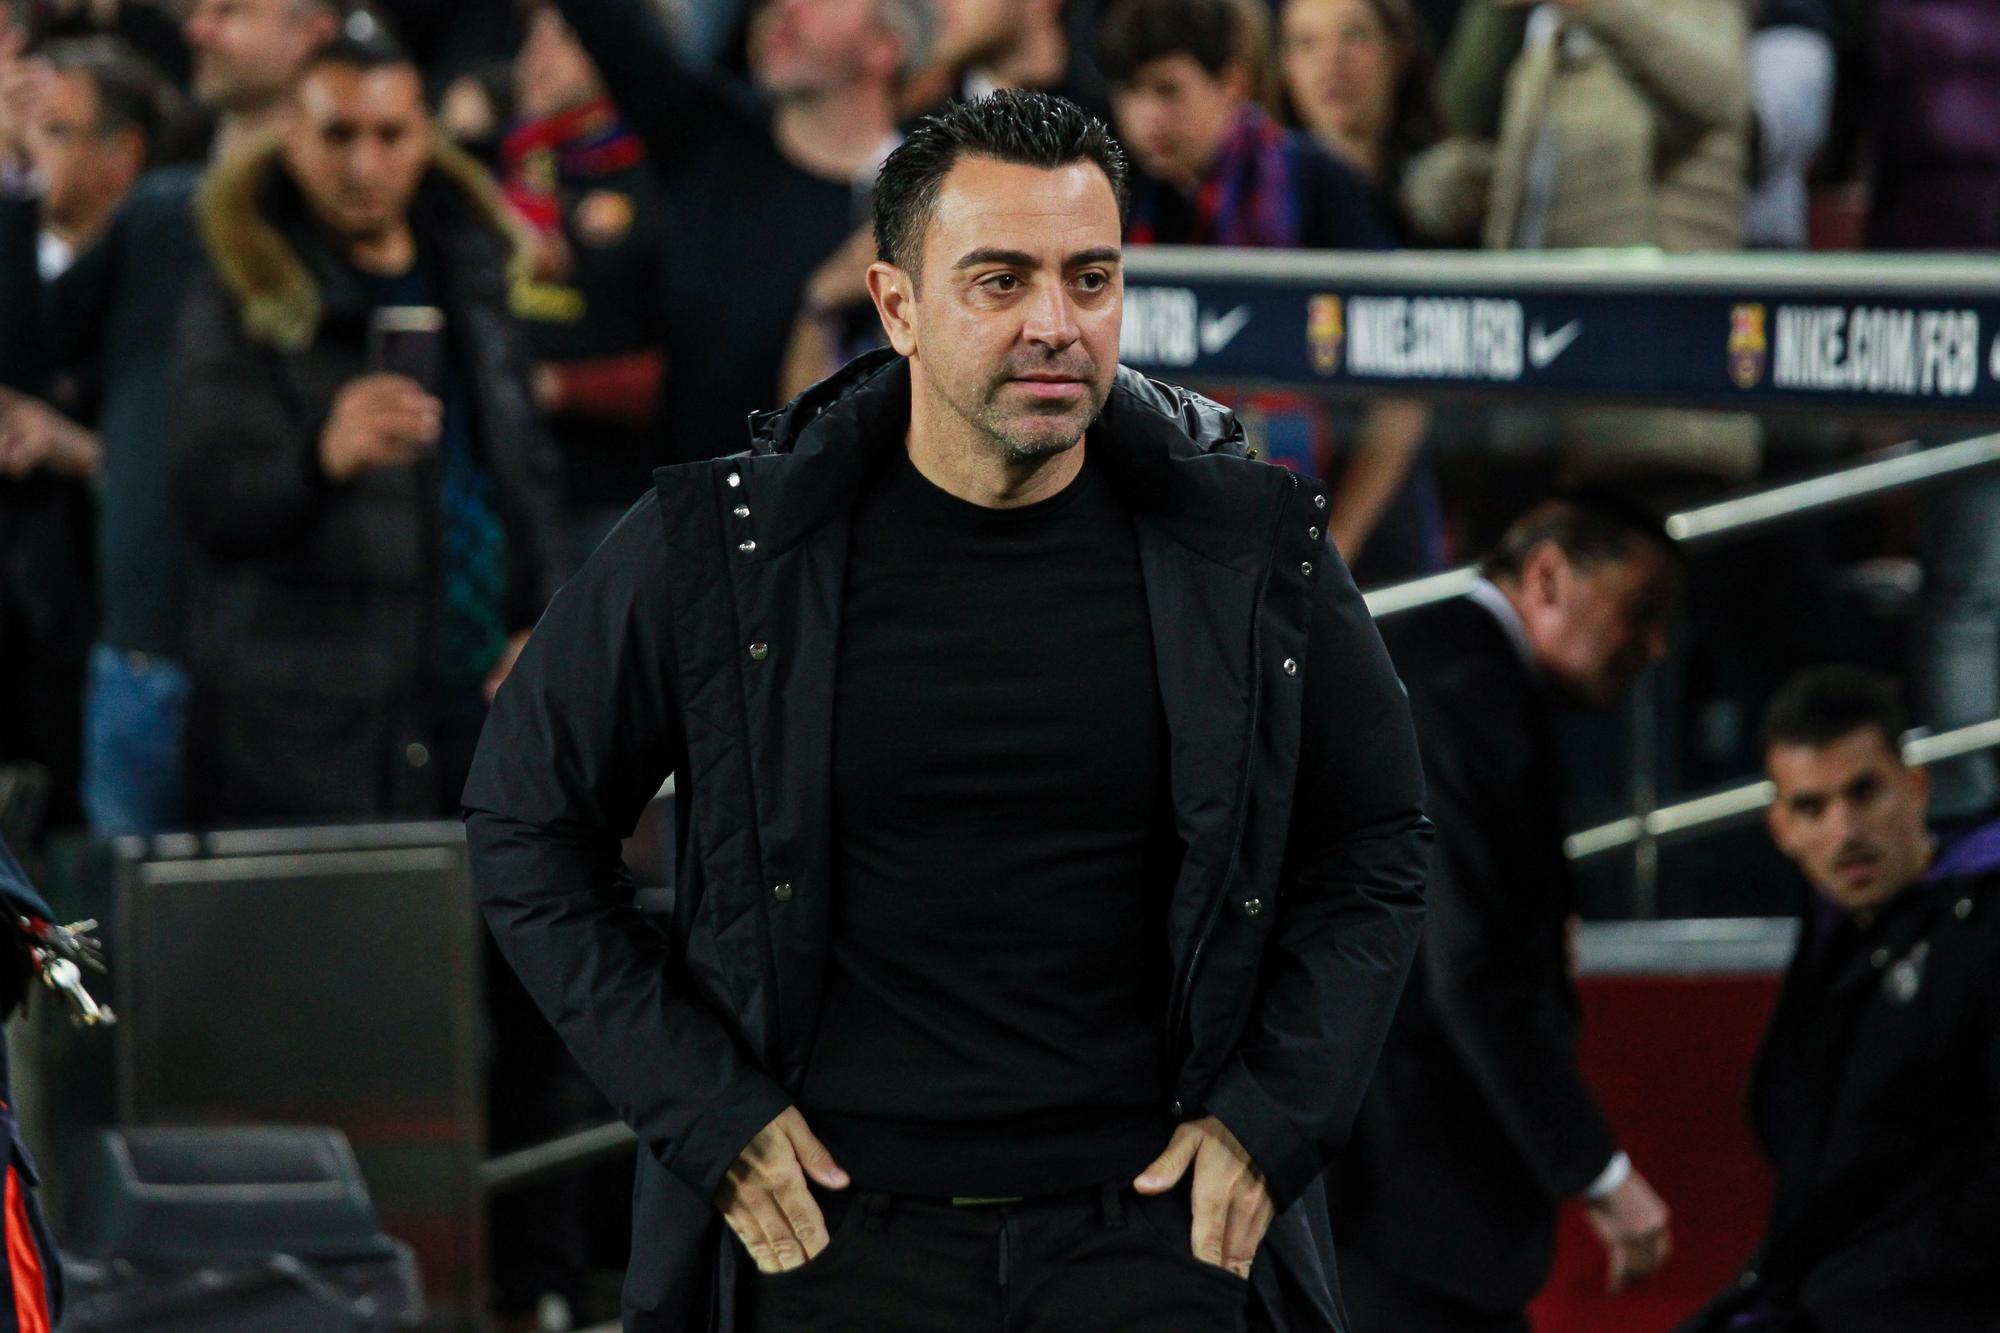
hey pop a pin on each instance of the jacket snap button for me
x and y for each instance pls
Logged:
(1962, 909)
(1291, 666)
(1879, 958)
(759, 651)
(1254, 907)
(1306, 568)
(1747, 1281)
(746, 547)
(1312, 534)
(742, 511)
(782, 892)
(417, 755)
(735, 479)
(1174, 1110)
(1319, 502)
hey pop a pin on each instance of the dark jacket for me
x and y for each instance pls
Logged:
(113, 312)
(701, 639)
(314, 603)
(1936, 66)
(1478, 1124)
(1876, 1098)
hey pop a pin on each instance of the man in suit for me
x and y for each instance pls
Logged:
(1877, 1095)
(1478, 1125)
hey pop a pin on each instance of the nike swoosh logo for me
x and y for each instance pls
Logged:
(1217, 332)
(1546, 347)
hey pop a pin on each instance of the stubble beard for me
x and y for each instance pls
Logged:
(1013, 436)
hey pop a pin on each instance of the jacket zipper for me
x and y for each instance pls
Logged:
(1185, 998)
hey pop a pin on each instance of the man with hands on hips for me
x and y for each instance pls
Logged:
(1049, 819)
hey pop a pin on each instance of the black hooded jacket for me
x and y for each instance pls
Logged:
(701, 640)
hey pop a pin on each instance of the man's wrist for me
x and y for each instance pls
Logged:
(1615, 1173)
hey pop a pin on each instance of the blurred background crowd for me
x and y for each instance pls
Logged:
(675, 193)
(317, 379)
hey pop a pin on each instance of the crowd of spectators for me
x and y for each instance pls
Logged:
(333, 336)
(685, 186)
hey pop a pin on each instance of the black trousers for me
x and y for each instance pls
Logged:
(1379, 1301)
(1098, 1261)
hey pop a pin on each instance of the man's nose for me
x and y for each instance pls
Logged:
(1051, 317)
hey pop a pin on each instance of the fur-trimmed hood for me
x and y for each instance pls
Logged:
(258, 261)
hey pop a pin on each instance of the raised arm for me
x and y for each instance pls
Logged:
(669, 100)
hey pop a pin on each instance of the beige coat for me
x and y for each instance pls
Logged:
(1628, 126)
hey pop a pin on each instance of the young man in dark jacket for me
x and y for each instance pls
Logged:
(1877, 1094)
(1050, 821)
(372, 549)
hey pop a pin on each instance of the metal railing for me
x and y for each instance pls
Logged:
(1902, 467)
(1734, 805)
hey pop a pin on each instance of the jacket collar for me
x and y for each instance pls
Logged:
(1175, 456)
(254, 226)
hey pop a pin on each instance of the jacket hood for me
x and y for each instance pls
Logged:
(259, 263)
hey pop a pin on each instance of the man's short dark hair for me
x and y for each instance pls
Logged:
(1137, 32)
(1589, 527)
(131, 94)
(1821, 704)
(1033, 129)
(365, 44)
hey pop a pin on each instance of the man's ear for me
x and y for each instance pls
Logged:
(1774, 820)
(894, 294)
(1543, 573)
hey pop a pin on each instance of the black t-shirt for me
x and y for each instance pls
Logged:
(1003, 849)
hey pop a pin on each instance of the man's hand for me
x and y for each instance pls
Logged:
(24, 86)
(34, 436)
(1632, 1223)
(764, 1198)
(1232, 1209)
(378, 421)
(841, 280)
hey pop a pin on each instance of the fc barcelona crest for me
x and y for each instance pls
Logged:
(1749, 349)
(1324, 333)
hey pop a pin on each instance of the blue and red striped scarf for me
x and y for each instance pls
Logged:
(1248, 198)
(537, 155)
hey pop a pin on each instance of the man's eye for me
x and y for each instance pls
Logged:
(1002, 283)
(1092, 282)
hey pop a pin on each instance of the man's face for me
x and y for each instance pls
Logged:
(1174, 115)
(84, 172)
(246, 52)
(1014, 324)
(1595, 627)
(808, 48)
(1851, 816)
(1341, 66)
(552, 73)
(357, 143)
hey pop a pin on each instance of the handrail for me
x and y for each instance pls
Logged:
(1733, 804)
(528, 1166)
(1906, 466)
